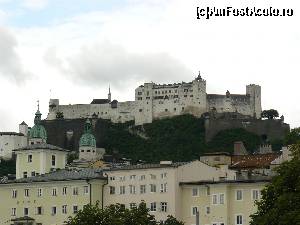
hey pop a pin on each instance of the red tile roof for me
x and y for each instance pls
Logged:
(253, 161)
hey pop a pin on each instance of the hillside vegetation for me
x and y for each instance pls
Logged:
(179, 138)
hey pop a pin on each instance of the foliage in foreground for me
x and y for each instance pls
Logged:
(280, 204)
(117, 215)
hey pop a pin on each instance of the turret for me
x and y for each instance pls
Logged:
(23, 128)
(254, 91)
(87, 144)
(109, 95)
(37, 133)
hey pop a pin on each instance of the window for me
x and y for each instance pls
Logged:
(140, 93)
(222, 223)
(53, 210)
(75, 209)
(112, 190)
(166, 110)
(26, 212)
(153, 206)
(239, 195)
(152, 188)
(86, 190)
(207, 210)
(29, 158)
(75, 190)
(13, 211)
(132, 189)
(239, 220)
(195, 192)
(163, 188)
(39, 210)
(163, 175)
(33, 173)
(64, 191)
(122, 190)
(141, 110)
(153, 177)
(64, 209)
(112, 178)
(164, 206)
(24, 174)
(142, 189)
(14, 193)
(208, 190)
(255, 194)
(214, 199)
(54, 191)
(222, 198)
(39, 192)
(132, 177)
(194, 210)
(26, 192)
(132, 205)
(122, 178)
(143, 177)
(53, 160)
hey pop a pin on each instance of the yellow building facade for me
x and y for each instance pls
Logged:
(220, 203)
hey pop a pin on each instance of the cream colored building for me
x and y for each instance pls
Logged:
(158, 185)
(49, 199)
(220, 202)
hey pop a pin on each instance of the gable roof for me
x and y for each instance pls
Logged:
(253, 161)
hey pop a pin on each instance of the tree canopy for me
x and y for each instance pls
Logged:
(270, 114)
(117, 215)
(280, 203)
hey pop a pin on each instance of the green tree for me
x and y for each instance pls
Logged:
(270, 114)
(293, 137)
(117, 215)
(280, 203)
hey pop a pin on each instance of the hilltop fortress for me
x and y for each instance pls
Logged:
(156, 101)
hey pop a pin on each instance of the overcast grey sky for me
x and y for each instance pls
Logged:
(76, 48)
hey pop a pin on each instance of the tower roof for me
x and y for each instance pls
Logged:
(38, 130)
(87, 139)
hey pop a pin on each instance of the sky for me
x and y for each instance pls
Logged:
(74, 49)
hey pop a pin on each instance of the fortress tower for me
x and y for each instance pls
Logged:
(254, 91)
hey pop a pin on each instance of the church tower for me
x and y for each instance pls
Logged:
(109, 94)
(37, 133)
(87, 143)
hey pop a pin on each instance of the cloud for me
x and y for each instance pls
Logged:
(105, 63)
(35, 4)
(10, 63)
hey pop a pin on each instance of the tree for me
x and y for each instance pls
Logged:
(270, 114)
(293, 137)
(117, 215)
(280, 203)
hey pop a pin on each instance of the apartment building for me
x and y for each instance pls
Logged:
(158, 185)
(228, 202)
(49, 199)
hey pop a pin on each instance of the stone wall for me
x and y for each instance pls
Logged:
(271, 129)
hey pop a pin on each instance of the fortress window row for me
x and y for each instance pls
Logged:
(53, 191)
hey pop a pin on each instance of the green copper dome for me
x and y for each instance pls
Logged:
(38, 130)
(87, 139)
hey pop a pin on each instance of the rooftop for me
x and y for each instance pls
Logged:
(245, 181)
(253, 161)
(41, 146)
(63, 175)
(11, 133)
(100, 101)
(150, 166)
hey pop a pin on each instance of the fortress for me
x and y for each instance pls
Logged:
(156, 101)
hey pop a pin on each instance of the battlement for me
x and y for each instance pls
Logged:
(156, 101)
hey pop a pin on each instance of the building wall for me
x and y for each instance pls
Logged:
(155, 101)
(219, 213)
(9, 143)
(41, 161)
(46, 201)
